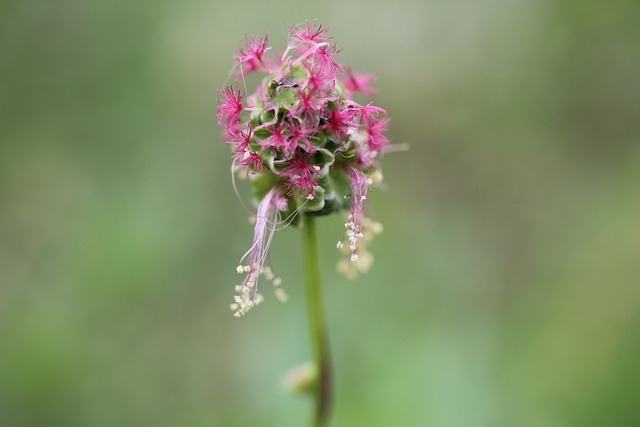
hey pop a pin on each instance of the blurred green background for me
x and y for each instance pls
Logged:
(506, 288)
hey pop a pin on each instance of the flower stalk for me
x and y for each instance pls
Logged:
(319, 340)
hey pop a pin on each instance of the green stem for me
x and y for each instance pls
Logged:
(323, 388)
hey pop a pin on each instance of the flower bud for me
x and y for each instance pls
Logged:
(302, 379)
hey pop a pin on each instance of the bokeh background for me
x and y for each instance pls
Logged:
(506, 288)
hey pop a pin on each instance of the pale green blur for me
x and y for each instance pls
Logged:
(506, 285)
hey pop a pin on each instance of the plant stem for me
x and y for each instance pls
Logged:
(320, 345)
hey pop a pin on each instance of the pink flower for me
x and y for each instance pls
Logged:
(278, 139)
(251, 161)
(251, 58)
(359, 83)
(244, 156)
(339, 121)
(324, 55)
(300, 135)
(311, 35)
(301, 175)
(368, 113)
(239, 139)
(230, 106)
(320, 79)
(309, 104)
(377, 141)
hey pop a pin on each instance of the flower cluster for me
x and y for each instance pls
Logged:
(306, 145)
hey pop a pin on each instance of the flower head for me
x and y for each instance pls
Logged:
(308, 146)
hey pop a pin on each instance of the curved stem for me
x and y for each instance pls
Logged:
(322, 360)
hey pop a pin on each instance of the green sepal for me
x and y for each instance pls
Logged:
(323, 157)
(315, 204)
(349, 154)
(297, 74)
(268, 158)
(288, 215)
(271, 88)
(332, 203)
(332, 105)
(285, 98)
(256, 118)
(319, 139)
(268, 116)
(337, 189)
(342, 187)
(261, 184)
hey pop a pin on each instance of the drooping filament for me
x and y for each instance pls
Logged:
(252, 263)
(353, 227)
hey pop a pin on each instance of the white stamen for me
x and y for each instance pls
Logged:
(281, 295)
(376, 177)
